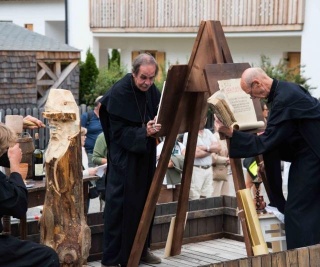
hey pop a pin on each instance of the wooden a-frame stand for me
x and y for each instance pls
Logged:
(185, 106)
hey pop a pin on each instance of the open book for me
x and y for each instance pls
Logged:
(233, 107)
(222, 111)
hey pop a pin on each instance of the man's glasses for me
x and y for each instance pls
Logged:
(250, 93)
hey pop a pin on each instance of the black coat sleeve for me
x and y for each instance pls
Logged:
(13, 195)
(244, 144)
(4, 161)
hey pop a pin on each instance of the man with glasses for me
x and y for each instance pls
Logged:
(292, 134)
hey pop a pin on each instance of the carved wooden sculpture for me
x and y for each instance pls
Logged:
(63, 224)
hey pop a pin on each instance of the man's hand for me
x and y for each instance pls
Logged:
(228, 131)
(15, 156)
(93, 171)
(261, 169)
(32, 123)
(153, 127)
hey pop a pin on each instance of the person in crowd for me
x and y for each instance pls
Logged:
(172, 179)
(90, 120)
(85, 163)
(99, 155)
(14, 201)
(222, 175)
(127, 117)
(202, 174)
(86, 170)
(291, 134)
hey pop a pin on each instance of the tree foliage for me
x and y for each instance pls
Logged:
(115, 58)
(107, 77)
(88, 76)
(281, 71)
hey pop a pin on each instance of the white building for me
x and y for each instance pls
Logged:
(277, 29)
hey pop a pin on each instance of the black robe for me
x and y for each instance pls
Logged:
(131, 164)
(292, 134)
(13, 251)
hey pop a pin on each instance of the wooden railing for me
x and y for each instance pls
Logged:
(185, 15)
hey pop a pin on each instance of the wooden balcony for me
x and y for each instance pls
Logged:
(153, 16)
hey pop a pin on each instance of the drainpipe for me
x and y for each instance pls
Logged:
(66, 30)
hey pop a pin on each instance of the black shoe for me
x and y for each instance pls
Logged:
(149, 257)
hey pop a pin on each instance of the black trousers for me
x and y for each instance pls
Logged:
(23, 253)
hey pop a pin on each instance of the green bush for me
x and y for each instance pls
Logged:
(282, 72)
(88, 76)
(115, 57)
(107, 77)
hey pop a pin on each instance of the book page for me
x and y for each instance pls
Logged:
(240, 103)
(101, 169)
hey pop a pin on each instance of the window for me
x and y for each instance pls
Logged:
(29, 27)
(294, 61)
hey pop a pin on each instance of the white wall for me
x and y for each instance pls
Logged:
(178, 50)
(48, 18)
(250, 49)
(80, 35)
(56, 30)
(32, 12)
(310, 47)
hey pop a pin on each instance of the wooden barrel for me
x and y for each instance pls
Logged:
(27, 148)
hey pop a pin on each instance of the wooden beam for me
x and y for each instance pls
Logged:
(45, 82)
(59, 81)
(65, 74)
(44, 66)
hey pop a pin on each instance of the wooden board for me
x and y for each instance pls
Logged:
(172, 98)
(216, 72)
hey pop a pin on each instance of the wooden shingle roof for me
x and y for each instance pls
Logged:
(16, 38)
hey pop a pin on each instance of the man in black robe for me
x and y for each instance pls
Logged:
(292, 134)
(127, 118)
(14, 201)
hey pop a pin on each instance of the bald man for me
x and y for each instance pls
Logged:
(291, 134)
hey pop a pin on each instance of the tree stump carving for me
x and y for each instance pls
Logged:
(63, 224)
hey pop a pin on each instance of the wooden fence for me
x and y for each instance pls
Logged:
(44, 134)
(208, 219)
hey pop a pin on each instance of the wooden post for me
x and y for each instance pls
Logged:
(63, 224)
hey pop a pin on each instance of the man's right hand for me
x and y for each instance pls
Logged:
(32, 123)
(228, 131)
(15, 156)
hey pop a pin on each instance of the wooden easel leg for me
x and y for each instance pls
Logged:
(196, 101)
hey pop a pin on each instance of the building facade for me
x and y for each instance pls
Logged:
(277, 29)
